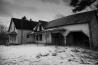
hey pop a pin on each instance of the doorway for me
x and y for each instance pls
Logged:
(77, 38)
(57, 39)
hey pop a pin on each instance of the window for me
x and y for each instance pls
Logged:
(12, 39)
(27, 36)
(38, 37)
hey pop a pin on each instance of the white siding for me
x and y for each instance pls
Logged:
(12, 28)
(76, 27)
(24, 38)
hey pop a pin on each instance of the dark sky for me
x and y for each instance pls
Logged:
(36, 9)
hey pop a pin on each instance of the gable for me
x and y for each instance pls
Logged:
(12, 27)
(40, 26)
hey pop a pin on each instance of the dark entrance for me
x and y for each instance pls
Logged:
(57, 39)
(77, 38)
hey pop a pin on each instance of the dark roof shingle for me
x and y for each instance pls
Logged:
(72, 19)
(24, 24)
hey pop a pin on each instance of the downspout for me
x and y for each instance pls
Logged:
(90, 33)
(46, 37)
(21, 32)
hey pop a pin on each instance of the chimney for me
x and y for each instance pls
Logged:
(30, 19)
(24, 18)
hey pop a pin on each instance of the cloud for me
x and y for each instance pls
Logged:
(14, 8)
(51, 1)
(4, 20)
(66, 2)
(35, 9)
(59, 16)
(4, 11)
(8, 7)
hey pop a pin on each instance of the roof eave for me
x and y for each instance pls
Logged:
(66, 25)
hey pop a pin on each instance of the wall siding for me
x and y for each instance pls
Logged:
(24, 38)
(12, 28)
(43, 39)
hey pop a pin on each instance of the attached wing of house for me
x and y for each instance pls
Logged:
(72, 19)
(81, 29)
(38, 31)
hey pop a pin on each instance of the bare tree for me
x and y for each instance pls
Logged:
(80, 5)
(3, 34)
(2, 28)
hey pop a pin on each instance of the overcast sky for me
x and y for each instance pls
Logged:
(35, 9)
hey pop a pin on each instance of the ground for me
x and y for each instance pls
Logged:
(46, 55)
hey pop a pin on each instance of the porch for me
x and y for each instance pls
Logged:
(12, 38)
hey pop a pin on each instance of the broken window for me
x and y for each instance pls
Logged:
(38, 37)
(27, 36)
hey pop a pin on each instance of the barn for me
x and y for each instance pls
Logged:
(80, 29)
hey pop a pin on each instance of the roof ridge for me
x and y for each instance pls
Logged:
(76, 14)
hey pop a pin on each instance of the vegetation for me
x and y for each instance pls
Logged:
(3, 35)
(80, 5)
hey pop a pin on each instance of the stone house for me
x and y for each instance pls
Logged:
(80, 29)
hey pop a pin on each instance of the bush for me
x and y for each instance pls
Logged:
(3, 38)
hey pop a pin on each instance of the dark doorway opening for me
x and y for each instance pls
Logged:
(77, 38)
(57, 39)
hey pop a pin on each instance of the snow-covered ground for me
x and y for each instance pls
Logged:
(46, 55)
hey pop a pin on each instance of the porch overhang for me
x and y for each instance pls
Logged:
(52, 31)
(56, 30)
(12, 33)
(34, 33)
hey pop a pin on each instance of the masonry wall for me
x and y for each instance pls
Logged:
(49, 39)
(76, 27)
(94, 32)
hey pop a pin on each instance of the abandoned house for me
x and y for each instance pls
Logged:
(79, 30)
(74, 30)
(20, 29)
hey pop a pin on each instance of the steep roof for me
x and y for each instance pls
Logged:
(24, 24)
(43, 23)
(72, 19)
(40, 26)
